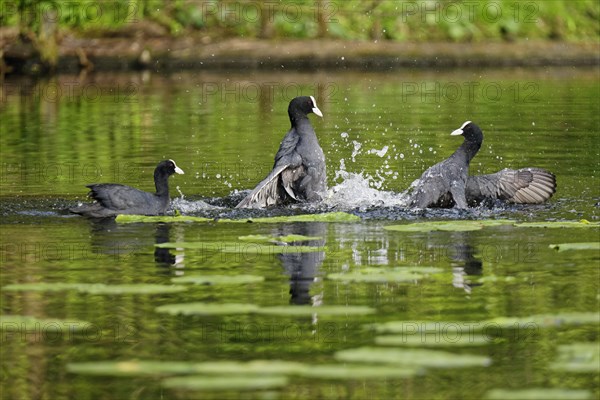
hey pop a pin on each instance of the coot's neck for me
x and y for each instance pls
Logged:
(302, 125)
(161, 182)
(468, 149)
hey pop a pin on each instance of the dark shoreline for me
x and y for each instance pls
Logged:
(168, 54)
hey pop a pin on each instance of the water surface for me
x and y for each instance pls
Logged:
(379, 132)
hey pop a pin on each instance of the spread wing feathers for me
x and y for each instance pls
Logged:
(266, 193)
(525, 186)
(289, 176)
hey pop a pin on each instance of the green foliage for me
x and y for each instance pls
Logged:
(385, 19)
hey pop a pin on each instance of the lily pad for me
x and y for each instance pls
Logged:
(225, 383)
(207, 308)
(435, 339)
(395, 276)
(128, 219)
(539, 394)
(449, 226)
(358, 371)
(559, 224)
(578, 358)
(27, 323)
(322, 310)
(96, 288)
(412, 357)
(240, 248)
(218, 279)
(576, 246)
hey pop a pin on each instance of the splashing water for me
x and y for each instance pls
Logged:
(191, 207)
(356, 191)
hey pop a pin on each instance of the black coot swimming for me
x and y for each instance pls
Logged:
(522, 186)
(444, 184)
(113, 199)
(299, 170)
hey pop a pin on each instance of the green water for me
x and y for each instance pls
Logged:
(223, 130)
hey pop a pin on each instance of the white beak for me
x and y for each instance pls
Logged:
(460, 131)
(315, 108)
(177, 169)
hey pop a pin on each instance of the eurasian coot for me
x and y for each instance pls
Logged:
(113, 199)
(444, 184)
(299, 170)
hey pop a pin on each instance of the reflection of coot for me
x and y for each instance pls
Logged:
(303, 267)
(464, 263)
(163, 256)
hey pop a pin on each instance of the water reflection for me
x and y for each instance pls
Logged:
(303, 267)
(163, 256)
(464, 263)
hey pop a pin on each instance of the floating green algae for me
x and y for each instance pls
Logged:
(149, 367)
(337, 216)
(395, 276)
(96, 288)
(240, 248)
(252, 368)
(441, 338)
(324, 217)
(218, 279)
(447, 226)
(413, 357)
(132, 368)
(199, 308)
(357, 371)
(282, 239)
(128, 219)
(546, 320)
(559, 224)
(576, 246)
(578, 357)
(27, 323)
(321, 310)
(539, 394)
(450, 327)
(384, 275)
(225, 383)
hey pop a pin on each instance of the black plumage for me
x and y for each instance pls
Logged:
(444, 184)
(299, 172)
(112, 199)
